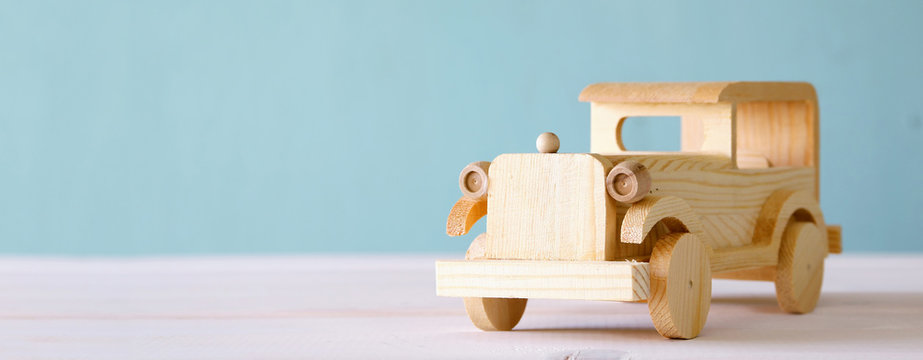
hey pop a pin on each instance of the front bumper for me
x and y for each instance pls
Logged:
(540, 279)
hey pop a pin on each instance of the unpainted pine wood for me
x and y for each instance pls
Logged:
(673, 161)
(464, 214)
(729, 192)
(549, 207)
(680, 286)
(617, 250)
(657, 163)
(765, 273)
(834, 239)
(727, 201)
(786, 133)
(747, 159)
(692, 132)
(714, 126)
(768, 273)
(587, 280)
(697, 92)
(730, 230)
(609, 248)
(781, 208)
(670, 211)
(677, 216)
(478, 248)
(495, 314)
(642, 251)
(800, 273)
(628, 182)
(547, 142)
(473, 180)
(756, 124)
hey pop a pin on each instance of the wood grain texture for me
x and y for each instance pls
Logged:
(783, 132)
(712, 133)
(780, 208)
(725, 201)
(495, 314)
(729, 201)
(765, 238)
(473, 180)
(628, 182)
(786, 133)
(549, 207)
(765, 273)
(553, 206)
(754, 124)
(800, 273)
(680, 286)
(747, 159)
(670, 161)
(697, 92)
(464, 214)
(835, 239)
(669, 210)
(588, 280)
(740, 201)
(478, 248)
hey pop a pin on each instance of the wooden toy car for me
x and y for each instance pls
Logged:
(740, 201)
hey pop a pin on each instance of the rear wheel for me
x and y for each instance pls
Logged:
(800, 272)
(680, 286)
(495, 314)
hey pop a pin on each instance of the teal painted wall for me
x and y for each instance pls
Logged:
(150, 127)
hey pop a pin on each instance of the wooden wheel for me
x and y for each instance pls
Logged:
(680, 286)
(491, 314)
(495, 314)
(800, 272)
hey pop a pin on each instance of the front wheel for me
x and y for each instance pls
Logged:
(495, 314)
(800, 272)
(491, 314)
(680, 286)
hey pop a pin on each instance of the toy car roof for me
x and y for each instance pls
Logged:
(698, 92)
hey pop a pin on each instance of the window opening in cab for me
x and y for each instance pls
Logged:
(650, 133)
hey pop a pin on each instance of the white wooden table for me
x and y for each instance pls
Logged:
(384, 307)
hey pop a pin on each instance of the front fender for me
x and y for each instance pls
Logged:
(672, 211)
(464, 214)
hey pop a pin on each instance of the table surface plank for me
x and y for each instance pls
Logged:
(364, 306)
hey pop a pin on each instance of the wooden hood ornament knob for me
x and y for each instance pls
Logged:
(547, 143)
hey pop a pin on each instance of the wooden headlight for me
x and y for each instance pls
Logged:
(628, 182)
(473, 180)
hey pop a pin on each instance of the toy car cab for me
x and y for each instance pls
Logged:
(739, 201)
